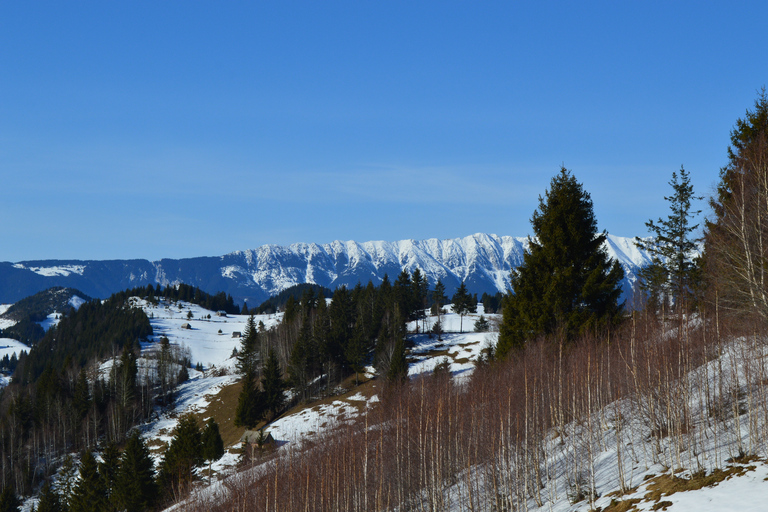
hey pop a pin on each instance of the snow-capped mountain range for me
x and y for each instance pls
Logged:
(482, 261)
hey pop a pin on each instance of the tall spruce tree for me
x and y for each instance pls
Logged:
(49, 500)
(135, 486)
(273, 385)
(250, 403)
(462, 304)
(566, 283)
(248, 355)
(212, 444)
(672, 246)
(184, 454)
(90, 492)
(9, 502)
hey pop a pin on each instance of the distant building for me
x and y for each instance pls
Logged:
(236, 334)
(221, 313)
(256, 437)
(186, 326)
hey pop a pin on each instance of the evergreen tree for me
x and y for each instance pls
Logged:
(672, 265)
(398, 366)
(273, 385)
(9, 502)
(482, 325)
(182, 456)
(419, 289)
(49, 500)
(82, 396)
(341, 317)
(67, 479)
(327, 351)
(248, 355)
(291, 310)
(567, 283)
(109, 469)
(403, 294)
(136, 490)
(90, 493)
(301, 362)
(462, 304)
(212, 444)
(357, 349)
(438, 298)
(250, 403)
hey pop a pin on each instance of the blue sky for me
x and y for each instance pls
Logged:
(182, 129)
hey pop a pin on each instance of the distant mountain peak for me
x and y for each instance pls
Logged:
(482, 260)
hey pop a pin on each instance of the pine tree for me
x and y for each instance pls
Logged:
(212, 444)
(67, 479)
(403, 294)
(182, 456)
(341, 317)
(49, 500)
(567, 283)
(109, 469)
(250, 403)
(248, 355)
(482, 325)
(462, 304)
(301, 362)
(671, 245)
(9, 502)
(398, 366)
(82, 396)
(438, 299)
(90, 493)
(136, 490)
(356, 350)
(273, 385)
(419, 289)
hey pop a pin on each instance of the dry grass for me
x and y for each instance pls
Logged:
(667, 485)
(222, 409)
(622, 505)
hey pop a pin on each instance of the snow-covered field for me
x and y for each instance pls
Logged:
(460, 345)
(213, 349)
(8, 347)
(209, 340)
(6, 322)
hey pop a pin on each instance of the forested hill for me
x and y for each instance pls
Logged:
(483, 261)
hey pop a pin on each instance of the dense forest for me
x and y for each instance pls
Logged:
(61, 400)
(28, 312)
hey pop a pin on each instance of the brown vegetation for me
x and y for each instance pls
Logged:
(493, 444)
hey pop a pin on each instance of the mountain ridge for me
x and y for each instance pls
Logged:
(483, 261)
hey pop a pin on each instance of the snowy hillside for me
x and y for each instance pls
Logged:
(614, 443)
(483, 261)
(610, 459)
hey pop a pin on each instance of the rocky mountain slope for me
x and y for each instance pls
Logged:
(483, 261)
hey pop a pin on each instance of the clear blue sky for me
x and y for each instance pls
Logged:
(181, 129)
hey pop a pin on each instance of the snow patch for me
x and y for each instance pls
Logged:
(59, 270)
